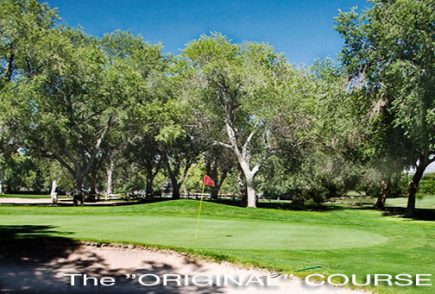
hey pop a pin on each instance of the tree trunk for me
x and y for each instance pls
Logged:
(385, 190)
(78, 194)
(211, 171)
(251, 195)
(176, 190)
(218, 184)
(53, 193)
(2, 180)
(214, 192)
(93, 191)
(149, 187)
(332, 189)
(109, 190)
(173, 173)
(242, 187)
(413, 186)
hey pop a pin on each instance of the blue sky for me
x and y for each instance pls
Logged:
(302, 29)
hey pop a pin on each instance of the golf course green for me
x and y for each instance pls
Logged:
(213, 234)
(342, 241)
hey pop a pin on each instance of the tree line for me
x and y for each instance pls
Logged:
(116, 109)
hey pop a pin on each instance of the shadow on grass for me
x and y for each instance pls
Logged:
(282, 205)
(33, 261)
(13, 233)
(423, 214)
(103, 203)
(295, 207)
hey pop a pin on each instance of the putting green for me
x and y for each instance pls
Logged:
(213, 233)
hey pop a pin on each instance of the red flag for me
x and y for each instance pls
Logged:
(208, 181)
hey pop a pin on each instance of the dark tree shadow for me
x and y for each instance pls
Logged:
(282, 205)
(296, 207)
(32, 261)
(422, 214)
(12, 233)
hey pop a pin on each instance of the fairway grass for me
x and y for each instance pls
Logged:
(344, 241)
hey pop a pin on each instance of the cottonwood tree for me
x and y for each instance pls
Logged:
(142, 123)
(180, 146)
(358, 140)
(178, 156)
(68, 110)
(219, 162)
(145, 121)
(23, 26)
(144, 151)
(252, 93)
(389, 50)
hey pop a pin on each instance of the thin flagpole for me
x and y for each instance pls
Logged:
(199, 211)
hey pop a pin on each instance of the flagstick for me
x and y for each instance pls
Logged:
(199, 211)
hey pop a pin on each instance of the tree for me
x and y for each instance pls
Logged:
(219, 162)
(23, 172)
(178, 156)
(144, 151)
(67, 111)
(23, 26)
(389, 51)
(141, 125)
(252, 93)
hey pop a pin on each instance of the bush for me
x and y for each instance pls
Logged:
(426, 186)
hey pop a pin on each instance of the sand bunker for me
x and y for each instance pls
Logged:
(40, 267)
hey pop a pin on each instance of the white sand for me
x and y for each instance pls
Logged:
(46, 275)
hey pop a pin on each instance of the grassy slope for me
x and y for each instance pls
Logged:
(409, 246)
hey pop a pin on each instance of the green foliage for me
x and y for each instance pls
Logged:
(389, 52)
(23, 172)
(273, 179)
(426, 186)
(389, 56)
(194, 179)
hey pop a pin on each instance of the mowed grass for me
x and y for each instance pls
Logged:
(344, 241)
(25, 196)
(356, 199)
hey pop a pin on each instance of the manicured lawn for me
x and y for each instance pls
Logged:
(355, 199)
(26, 196)
(344, 241)
(32, 196)
(428, 201)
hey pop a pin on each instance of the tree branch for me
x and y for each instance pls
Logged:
(268, 154)
(245, 146)
(62, 162)
(222, 144)
(233, 139)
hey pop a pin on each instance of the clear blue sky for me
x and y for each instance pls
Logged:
(302, 29)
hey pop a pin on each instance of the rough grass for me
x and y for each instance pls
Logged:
(345, 241)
